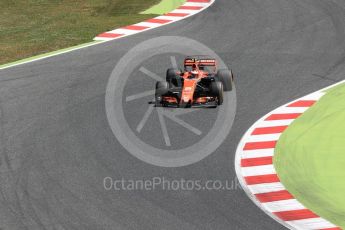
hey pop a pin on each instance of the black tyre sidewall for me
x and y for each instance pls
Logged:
(172, 78)
(225, 76)
(217, 89)
(162, 87)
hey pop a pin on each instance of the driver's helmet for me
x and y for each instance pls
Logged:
(195, 69)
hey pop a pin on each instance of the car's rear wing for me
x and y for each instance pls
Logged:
(201, 62)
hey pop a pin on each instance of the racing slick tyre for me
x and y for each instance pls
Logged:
(162, 88)
(217, 89)
(173, 78)
(226, 77)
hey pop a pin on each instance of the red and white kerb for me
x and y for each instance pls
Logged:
(188, 9)
(258, 177)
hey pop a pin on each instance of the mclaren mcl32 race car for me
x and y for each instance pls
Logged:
(201, 84)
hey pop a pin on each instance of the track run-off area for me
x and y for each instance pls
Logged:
(313, 149)
(289, 161)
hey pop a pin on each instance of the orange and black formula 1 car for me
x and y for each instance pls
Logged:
(199, 85)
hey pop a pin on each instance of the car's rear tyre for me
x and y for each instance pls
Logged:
(217, 90)
(162, 88)
(173, 78)
(226, 77)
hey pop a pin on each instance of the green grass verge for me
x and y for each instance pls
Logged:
(164, 6)
(310, 157)
(33, 27)
(50, 54)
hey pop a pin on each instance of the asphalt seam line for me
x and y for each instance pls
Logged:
(256, 172)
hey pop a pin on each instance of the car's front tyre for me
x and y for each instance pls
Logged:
(162, 88)
(217, 90)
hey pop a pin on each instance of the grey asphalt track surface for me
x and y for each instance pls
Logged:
(56, 145)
